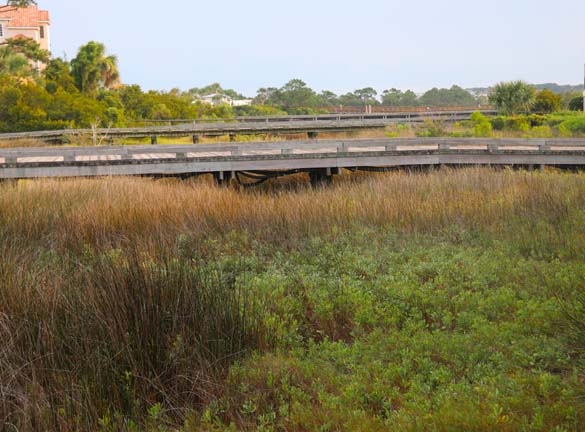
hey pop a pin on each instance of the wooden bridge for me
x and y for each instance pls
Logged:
(309, 124)
(261, 160)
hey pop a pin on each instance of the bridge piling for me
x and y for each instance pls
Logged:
(320, 177)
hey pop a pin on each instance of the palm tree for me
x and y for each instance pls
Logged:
(93, 70)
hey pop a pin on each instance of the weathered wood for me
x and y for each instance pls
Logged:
(251, 125)
(328, 155)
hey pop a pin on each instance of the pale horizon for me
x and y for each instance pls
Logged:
(331, 45)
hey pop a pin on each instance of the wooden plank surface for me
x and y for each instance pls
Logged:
(286, 155)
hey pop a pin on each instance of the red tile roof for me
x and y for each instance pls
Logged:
(23, 17)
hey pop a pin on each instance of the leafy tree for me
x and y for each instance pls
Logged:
(214, 88)
(576, 103)
(264, 95)
(367, 95)
(328, 98)
(93, 70)
(28, 48)
(512, 97)
(455, 96)
(547, 102)
(293, 97)
(295, 93)
(21, 3)
(14, 64)
(395, 97)
(58, 75)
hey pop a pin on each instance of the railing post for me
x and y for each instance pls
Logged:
(492, 147)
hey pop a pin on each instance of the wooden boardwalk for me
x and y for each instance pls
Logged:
(249, 126)
(326, 157)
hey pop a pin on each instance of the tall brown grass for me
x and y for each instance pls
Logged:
(114, 296)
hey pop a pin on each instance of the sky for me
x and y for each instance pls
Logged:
(335, 45)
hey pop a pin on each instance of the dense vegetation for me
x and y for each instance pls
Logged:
(451, 300)
(87, 91)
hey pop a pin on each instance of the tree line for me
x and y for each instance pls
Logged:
(87, 91)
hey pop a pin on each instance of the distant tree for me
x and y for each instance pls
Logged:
(93, 70)
(546, 102)
(512, 97)
(21, 3)
(576, 103)
(264, 95)
(291, 97)
(295, 93)
(214, 88)
(350, 99)
(58, 75)
(395, 97)
(328, 98)
(448, 97)
(367, 95)
(360, 97)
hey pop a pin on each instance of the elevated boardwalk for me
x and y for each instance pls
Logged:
(321, 158)
(251, 126)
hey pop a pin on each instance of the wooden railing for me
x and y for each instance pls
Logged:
(251, 125)
(286, 155)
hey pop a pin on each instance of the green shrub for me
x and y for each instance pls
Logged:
(574, 126)
(481, 125)
(518, 124)
(498, 123)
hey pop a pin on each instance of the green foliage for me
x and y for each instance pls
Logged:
(455, 96)
(431, 129)
(28, 48)
(512, 97)
(573, 126)
(450, 300)
(481, 125)
(576, 103)
(547, 102)
(257, 110)
(58, 75)
(395, 97)
(93, 70)
(21, 3)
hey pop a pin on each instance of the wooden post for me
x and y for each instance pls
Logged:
(320, 177)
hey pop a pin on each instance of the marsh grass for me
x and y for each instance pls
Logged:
(122, 296)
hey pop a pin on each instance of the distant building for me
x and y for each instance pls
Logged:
(27, 22)
(221, 99)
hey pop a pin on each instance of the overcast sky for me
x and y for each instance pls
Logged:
(337, 45)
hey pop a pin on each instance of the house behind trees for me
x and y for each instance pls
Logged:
(27, 22)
